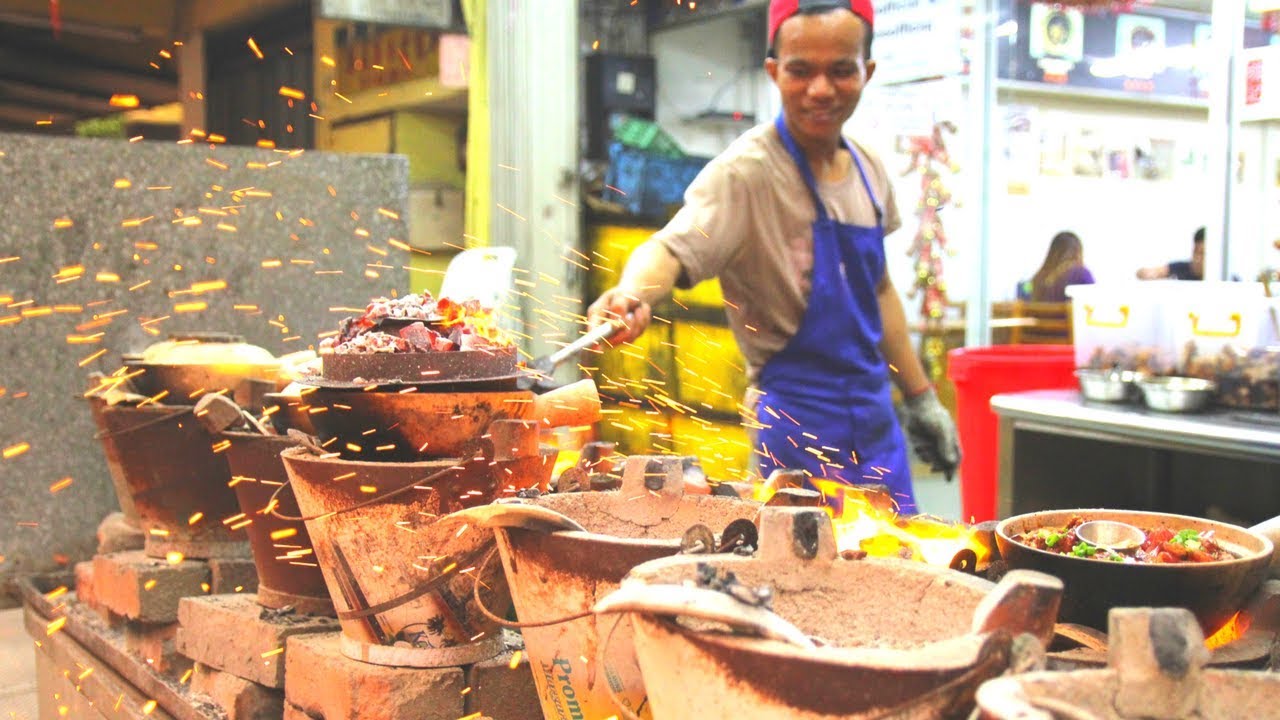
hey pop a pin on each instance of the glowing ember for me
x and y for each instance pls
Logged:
(1232, 631)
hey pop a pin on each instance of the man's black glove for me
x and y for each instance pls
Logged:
(932, 432)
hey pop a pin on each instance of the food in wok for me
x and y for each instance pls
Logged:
(1162, 545)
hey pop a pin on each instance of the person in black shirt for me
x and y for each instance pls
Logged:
(1192, 269)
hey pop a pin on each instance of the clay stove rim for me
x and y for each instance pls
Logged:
(953, 654)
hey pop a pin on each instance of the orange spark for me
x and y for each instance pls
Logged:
(253, 45)
(124, 101)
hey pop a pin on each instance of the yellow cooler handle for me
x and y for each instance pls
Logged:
(1121, 322)
(1234, 319)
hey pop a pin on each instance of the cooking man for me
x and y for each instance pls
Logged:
(792, 218)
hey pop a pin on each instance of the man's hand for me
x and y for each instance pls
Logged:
(932, 432)
(617, 304)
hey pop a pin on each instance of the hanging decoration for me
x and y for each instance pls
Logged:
(928, 156)
(928, 153)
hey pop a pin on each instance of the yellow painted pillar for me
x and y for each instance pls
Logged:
(479, 200)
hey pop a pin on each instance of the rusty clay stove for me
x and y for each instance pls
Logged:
(1156, 671)
(561, 553)
(798, 632)
(165, 463)
(401, 575)
(419, 425)
(288, 575)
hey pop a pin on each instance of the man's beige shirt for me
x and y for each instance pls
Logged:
(747, 219)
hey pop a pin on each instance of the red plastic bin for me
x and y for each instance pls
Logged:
(979, 373)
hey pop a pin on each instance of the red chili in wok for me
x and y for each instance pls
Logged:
(1162, 546)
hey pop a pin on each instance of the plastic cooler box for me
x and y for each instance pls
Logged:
(647, 184)
(979, 373)
(1125, 325)
(1226, 332)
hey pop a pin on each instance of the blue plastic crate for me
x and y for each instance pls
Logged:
(648, 184)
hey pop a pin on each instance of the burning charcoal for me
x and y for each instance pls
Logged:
(421, 338)
(529, 493)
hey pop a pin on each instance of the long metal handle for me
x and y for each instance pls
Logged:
(598, 333)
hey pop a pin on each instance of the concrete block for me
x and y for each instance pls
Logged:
(154, 643)
(238, 698)
(232, 575)
(502, 692)
(234, 634)
(146, 589)
(116, 534)
(324, 684)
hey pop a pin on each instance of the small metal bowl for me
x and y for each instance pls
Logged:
(1108, 385)
(1177, 394)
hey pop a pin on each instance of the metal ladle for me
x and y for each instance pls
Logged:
(1112, 535)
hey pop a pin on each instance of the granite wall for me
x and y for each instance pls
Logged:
(110, 245)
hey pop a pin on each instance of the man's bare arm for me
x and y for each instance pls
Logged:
(647, 278)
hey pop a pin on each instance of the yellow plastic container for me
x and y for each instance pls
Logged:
(710, 370)
(723, 448)
(1125, 325)
(1226, 332)
(636, 431)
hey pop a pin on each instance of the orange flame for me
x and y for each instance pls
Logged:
(483, 322)
(1235, 628)
(860, 523)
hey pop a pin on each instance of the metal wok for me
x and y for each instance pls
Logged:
(1212, 591)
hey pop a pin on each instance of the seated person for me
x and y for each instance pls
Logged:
(1192, 269)
(1063, 265)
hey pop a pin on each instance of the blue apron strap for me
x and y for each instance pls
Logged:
(802, 163)
(866, 183)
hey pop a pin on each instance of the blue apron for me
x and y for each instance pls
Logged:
(826, 407)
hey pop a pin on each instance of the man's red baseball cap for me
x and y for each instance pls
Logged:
(780, 10)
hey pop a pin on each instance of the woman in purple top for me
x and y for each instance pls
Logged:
(1063, 265)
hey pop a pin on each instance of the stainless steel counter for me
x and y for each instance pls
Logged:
(1056, 447)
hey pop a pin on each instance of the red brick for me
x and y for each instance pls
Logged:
(123, 583)
(239, 698)
(231, 634)
(153, 643)
(325, 685)
(232, 575)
